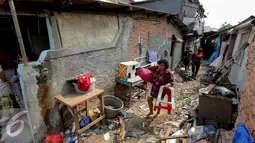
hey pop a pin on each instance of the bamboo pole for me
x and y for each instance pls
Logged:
(17, 29)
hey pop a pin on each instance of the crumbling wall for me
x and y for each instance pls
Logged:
(247, 106)
(99, 58)
(30, 88)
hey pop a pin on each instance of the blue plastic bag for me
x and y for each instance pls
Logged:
(242, 134)
(84, 122)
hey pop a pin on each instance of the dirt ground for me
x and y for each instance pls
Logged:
(140, 129)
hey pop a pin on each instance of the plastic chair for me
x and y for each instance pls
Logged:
(169, 91)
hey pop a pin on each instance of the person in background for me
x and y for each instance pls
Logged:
(186, 58)
(161, 75)
(196, 61)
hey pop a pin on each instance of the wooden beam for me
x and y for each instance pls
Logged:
(91, 124)
(166, 135)
(175, 137)
(24, 13)
(17, 29)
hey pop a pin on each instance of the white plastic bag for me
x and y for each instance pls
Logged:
(223, 91)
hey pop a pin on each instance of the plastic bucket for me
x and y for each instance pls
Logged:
(112, 106)
(91, 88)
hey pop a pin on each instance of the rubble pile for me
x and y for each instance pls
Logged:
(183, 93)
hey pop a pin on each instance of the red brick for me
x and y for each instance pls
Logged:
(244, 117)
(146, 28)
(248, 125)
(253, 134)
(249, 66)
(253, 44)
(252, 97)
(247, 105)
(252, 74)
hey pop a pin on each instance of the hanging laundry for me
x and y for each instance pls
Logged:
(84, 82)
(151, 56)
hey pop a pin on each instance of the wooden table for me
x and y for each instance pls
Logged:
(131, 83)
(75, 102)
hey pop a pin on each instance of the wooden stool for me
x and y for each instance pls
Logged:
(73, 102)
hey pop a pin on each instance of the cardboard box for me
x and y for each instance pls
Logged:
(127, 70)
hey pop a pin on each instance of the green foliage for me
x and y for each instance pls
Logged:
(224, 26)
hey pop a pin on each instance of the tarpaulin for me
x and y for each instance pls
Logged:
(242, 134)
(218, 62)
(216, 51)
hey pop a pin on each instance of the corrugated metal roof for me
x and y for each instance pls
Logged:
(101, 6)
(122, 7)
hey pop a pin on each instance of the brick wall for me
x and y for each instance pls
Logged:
(146, 28)
(248, 94)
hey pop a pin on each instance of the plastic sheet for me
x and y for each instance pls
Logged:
(145, 74)
(200, 132)
(242, 134)
(223, 91)
(216, 51)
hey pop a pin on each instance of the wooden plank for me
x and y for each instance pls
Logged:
(72, 100)
(166, 135)
(77, 125)
(70, 110)
(101, 98)
(130, 96)
(87, 108)
(208, 89)
(91, 124)
(175, 137)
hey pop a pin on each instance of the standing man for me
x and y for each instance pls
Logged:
(186, 58)
(196, 61)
